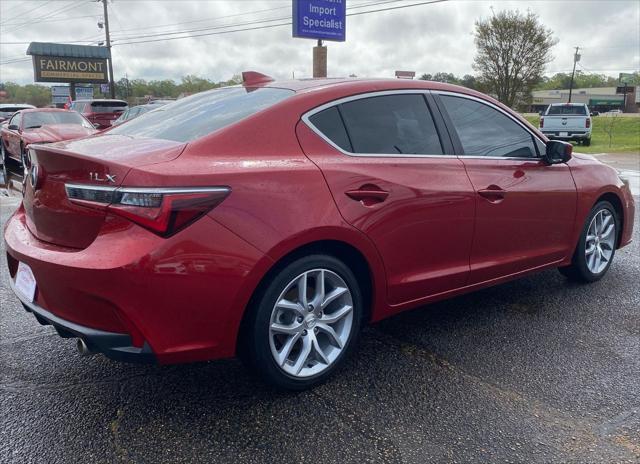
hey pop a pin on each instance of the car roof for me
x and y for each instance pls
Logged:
(46, 110)
(14, 105)
(91, 100)
(567, 104)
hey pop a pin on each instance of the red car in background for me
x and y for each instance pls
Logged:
(40, 125)
(101, 113)
(273, 220)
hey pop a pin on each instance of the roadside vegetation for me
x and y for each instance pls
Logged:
(624, 130)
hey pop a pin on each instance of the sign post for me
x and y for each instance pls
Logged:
(320, 20)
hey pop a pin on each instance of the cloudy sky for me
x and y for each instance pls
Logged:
(426, 38)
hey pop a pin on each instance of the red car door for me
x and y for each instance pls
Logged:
(395, 179)
(525, 208)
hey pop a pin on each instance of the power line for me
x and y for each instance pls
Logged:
(272, 25)
(3, 23)
(51, 13)
(53, 20)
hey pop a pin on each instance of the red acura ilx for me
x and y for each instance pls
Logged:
(273, 220)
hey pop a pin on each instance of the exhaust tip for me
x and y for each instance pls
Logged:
(82, 347)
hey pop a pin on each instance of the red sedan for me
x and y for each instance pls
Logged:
(40, 125)
(273, 220)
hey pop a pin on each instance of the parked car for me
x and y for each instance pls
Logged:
(8, 109)
(101, 113)
(273, 220)
(567, 121)
(43, 125)
(136, 111)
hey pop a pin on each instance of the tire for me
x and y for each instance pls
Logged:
(4, 172)
(601, 240)
(586, 142)
(296, 348)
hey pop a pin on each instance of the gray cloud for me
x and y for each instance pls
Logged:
(430, 38)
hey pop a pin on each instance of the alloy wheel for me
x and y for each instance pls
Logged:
(311, 323)
(600, 241)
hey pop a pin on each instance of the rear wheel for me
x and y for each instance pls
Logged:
(586, 142)
(597, 245)
(305, 323)
(3, 159)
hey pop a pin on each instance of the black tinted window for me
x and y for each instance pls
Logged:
(108, 106)
(485, 131)
(201, 114)
(330, 124)
(575, 110)
(391, 124)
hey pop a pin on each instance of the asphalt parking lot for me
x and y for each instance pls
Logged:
(536, 370)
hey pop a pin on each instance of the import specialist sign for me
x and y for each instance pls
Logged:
(68, 69)
(320, 19)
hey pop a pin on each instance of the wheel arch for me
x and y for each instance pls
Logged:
(343, 250)
(615, 200)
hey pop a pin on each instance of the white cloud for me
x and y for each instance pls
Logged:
(427, 38)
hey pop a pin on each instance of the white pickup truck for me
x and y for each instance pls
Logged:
(567, 121)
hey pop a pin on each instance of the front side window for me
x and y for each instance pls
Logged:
(16, 120)
(198, 115)
(485, 131)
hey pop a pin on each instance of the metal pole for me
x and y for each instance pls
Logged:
(575, 60)
(112, 88)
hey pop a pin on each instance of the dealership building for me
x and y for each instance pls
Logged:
(597, 98)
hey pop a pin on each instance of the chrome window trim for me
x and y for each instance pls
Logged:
(485, 102)
(381, 93)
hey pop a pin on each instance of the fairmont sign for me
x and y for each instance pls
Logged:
(67, 69)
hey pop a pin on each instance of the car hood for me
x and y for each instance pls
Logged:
(56, 133)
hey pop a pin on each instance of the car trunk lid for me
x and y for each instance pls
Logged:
(103, 161)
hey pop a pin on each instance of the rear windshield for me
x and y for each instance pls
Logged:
(201, 114)
(108, 106)
(576, 110)
(33, 120)
(9, 110)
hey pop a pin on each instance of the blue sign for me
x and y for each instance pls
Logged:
(320, 19)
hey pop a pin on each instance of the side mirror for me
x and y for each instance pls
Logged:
(557, 152)
(13, 127)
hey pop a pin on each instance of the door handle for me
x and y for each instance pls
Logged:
(493, 193)
(368, 194)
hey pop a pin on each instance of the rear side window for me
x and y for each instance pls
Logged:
(201, 114)
(108, 106)
(391, 124)
(485, 131)
(570, 110)
(330, 124)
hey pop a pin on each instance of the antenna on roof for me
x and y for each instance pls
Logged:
(254, 78)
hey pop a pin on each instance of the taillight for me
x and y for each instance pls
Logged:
(163, 211)
(541, 122)
(587, 123)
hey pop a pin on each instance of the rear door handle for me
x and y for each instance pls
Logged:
(493, 193)
(368, 195)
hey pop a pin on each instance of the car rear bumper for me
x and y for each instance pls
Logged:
(571, 135)
(133, 294)
(117, 346)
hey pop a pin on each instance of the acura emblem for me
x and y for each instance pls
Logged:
(33, 176)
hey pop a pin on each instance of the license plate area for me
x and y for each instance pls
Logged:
(25, 282)
(564, 134)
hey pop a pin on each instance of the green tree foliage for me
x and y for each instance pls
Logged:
(581, 80)
(512, 52)
(128, 89)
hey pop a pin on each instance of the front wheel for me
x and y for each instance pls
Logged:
(304, 324)
(597, 245)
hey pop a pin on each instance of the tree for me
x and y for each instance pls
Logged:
(512, 52)
(581, 80)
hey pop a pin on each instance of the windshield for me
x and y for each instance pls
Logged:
(575, 110)
(38, 119)
(108, 106)
(201, 114)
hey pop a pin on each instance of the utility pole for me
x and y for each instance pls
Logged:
(576, 58)
(112, 88)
